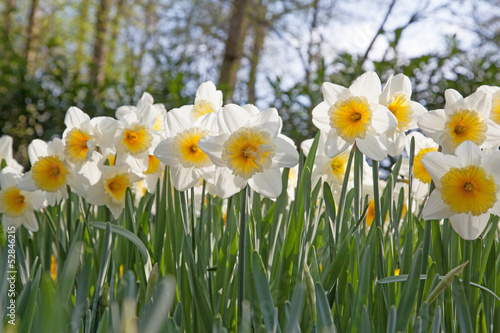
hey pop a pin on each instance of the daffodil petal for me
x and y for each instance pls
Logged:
(183, 178)
(226, 184)
(451, 96)
(373, 146)
(491, 163)
(331, 92)
(232, 117)
(267, 183)
(334, 144)
(75, 117)
(212, 146)
(30, 222)
(435, 208)
(267, 120)
(469, 153)
(37, 199)
(437, 164)
(36, 149)
(382, 119)
(469, 227)
(496, 207)
(367, 85)
(480, 101)
(96, 194)
(208, 92)
(492, 135)
(432, 124)
(320, 117)
(286, 155)
(396, 142)
(26, 183)
(104, 129)
(164, 151)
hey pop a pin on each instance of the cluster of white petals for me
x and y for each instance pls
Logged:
(229, 147)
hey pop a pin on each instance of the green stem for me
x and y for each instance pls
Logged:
(376, 195)
(341, 208)
(467, 269)
(193, 216)
(241, 255)
(357, 182)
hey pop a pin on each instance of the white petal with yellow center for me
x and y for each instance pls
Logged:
(49, 173)
(185, 146)
(136, 139)
(12, 201)
(248, 151)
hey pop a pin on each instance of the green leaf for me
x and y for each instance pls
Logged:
(463, 314)
(391, 320)
(408, 296)
(324, 313)
(445, 282)
(296, 309)
(363, 290)
(264, 296)
(128, 235)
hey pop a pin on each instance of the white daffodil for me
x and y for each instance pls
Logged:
(83, 135)
(467, 188)
(249, 150)
(329, 169)
(188, 163)
(421, 178)
(146, 110)
(494, 92)
(17, 206)
(136, 135)
(354, 115)
(208, 99)
(50, 172)
(396, 97)
(462, 119)
(111, 187)
(151, 169)
(6, 153)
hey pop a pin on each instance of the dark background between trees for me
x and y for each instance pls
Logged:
(100, 54)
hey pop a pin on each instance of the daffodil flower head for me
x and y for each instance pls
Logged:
(180, 150)
(111, 188)
(51, 172)
(463, 119)
(396, 97)
(249, 149)
(83, 135)
(422, 179)
(18, 206)
(467, 188)
(208, 99)
(354, 115)
(136, 135)
(329, 169)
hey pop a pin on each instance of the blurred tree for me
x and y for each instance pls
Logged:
(53, 55)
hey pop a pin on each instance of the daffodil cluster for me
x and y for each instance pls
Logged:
(455, 147)
(230, 147)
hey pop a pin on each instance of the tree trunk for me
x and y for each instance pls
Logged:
(82, 30)
(9, 10)
(31, 36)
(259, 26)
(234, 48)
(97, 73)
(115, 25)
